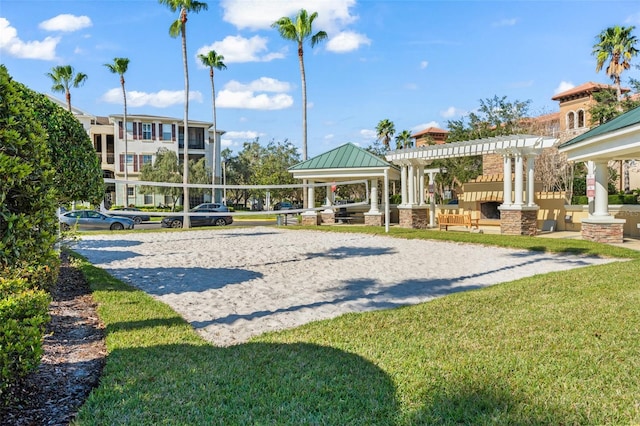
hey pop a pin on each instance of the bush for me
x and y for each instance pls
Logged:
(581, 200)
(23, 316)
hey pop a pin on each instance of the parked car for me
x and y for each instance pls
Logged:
(90, 220)
(137, 215)
(213, 220)
(283, 205)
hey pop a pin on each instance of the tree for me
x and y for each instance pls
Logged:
(404, 140)
(385, 131)
(213, 61)
(179, 28)
(63, 76)
(119, 66)
(300, 31)
(618, 46)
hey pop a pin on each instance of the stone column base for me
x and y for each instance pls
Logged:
(519, 221)
(373, 219)
(328, 218)
(603, 232)
(309, 219)
(413, 217)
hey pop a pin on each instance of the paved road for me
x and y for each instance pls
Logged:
(156, 225)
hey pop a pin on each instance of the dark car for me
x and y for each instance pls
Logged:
(283, 205)
(91, 220)
(201, 220)
(131, 212)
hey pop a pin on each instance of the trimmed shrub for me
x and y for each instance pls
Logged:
(582, 200)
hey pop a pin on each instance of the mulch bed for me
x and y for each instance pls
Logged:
(74, 355)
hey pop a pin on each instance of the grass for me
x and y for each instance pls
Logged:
(559, 348)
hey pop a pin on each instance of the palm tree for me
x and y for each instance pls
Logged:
(300, 31)
(119, 66)
(213, 60)
(403, 140)
(63, 76)
(179, 28)
(618, 46)
(385, 131)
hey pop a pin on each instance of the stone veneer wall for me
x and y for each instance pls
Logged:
(309, 220)
(413, 218)
(373, 219)
(603, 232)
(519, 222)
(328, 218)
(492, 164)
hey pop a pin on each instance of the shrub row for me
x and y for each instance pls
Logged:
(581, 200)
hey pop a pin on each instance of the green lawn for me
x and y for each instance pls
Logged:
(559, 348)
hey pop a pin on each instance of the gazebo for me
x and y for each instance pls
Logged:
(345, 163)
(518, 210)
(618, 139)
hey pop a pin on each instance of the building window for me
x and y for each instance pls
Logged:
(146, 131)
(129, 126)
(580, 119)
(148, 199)
(571, 120)
(130, 191)
(166, 132)
(147, 159)
(129, 160)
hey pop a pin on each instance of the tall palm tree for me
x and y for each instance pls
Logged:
(618, 46)
(385, 131)
(179, 28)
(119, 66)
(64, 76)
(213, 61)
(403, 140)
(300, 31)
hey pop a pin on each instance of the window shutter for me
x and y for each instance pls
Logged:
(160, 131)
(122, 162)
(153, 131)
(135, 130)
(120, 132)
(140, 131)
(173, 132)
(135, 163)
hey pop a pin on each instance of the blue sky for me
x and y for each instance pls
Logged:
(417, 63)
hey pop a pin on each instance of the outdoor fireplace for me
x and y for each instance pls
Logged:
(489, 210)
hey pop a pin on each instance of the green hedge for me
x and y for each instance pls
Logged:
(580, 200)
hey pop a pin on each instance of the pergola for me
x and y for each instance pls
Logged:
(618, 139)
(345, 163)
(520, 150)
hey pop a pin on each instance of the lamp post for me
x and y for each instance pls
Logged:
(224, 183)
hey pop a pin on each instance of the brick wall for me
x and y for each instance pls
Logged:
(518, 222)
(414, 218)
(329, 218)
(309, 220)
(373, 219)
(492, 164)
(603, 232)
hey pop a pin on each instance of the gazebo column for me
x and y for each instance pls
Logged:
(374, 216)
(516, 218)
(328, 215)
(531, 181)
(403, 185)
(432, 198)
(412, 215)
(421, 200)
(600, 226)
(310, 218)
(412, 184)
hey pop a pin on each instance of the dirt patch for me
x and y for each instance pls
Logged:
(74, 355)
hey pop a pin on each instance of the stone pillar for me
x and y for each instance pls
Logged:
(519, 221)
(601, 226)
(373, 219)
(413, 217)
(374, 197)
(507, 181)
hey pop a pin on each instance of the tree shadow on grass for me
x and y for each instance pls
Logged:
(254, 383)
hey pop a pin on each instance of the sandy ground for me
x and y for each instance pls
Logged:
(235, 283)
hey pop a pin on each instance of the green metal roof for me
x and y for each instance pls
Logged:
(347, 156)
(627, 119)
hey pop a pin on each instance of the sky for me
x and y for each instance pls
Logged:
(416, 63)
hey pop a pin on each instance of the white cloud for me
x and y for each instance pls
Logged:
(368, 134)
(66, 23)
(424, 64)
(245, 134)
(451, 112)
(505, 22)
(161, 99)
(263, 84)
(563, 87)
(633, 19)
(424, 126)
(329, 137)
(411, 86)
(259, 14)
(347, 41)
(11, 44)
(238, 49)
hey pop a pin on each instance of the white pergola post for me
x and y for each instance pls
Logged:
(432, 199)
(412, 184)
(507, 188)
(403, 185)
(530, 181)
(311, 195)
(374, 197)
(421, 185)
(601, 200)
(386, 200)
(519, 184)
(327, 200)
